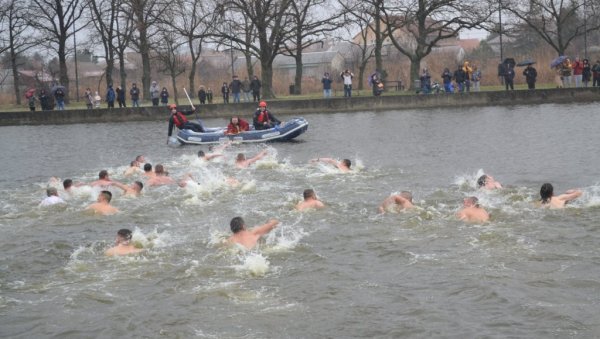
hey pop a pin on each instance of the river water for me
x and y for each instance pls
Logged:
(342, 272)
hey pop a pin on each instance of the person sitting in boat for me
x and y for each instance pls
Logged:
(263, 119)
(237, 125)
(178, 119)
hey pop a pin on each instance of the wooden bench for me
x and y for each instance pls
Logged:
(396, 84)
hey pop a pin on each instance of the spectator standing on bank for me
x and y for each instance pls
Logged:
(586, 76)
(509, 77)
(347, 76)
(577, 72)
(459, 78)
(225, 93)
(154, 93)
(202, 95)
(468, 74)
(255, 85)
(134, 92)
(246, 89)
(326, 81)
(566, 69)
(44, 101)
(596, 74)
(236, 88)
(209, 95)
(97, 100)
(447, 80)
(59, 97)
(31, 102)
(121, 97)
(425, 81)
(110, 96)
(476, 79)
(530, 74)
(89, 98)
(164, 96)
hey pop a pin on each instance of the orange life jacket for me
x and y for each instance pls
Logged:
(179, 119)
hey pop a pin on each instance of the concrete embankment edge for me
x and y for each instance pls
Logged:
(300, 107)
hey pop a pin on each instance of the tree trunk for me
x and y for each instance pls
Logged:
(110, 67)
(122, 72)
(63, 75)
(15, 72)
(299, 70)
(361, 75)
(415, 64)
(249, 67)
(267, 79)
(192, 79)
(174, 83)
(378, 42)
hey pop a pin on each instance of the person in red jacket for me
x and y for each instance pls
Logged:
(178, 119)
(578, 72)
(237, 125)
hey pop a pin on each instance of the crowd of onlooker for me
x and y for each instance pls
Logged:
(465, 78)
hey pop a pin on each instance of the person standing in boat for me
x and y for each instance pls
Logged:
(178, 119)
(237, 125)
(263, 119)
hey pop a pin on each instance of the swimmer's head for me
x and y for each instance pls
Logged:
(546, 192)
(237, 224)
(211, 148)
(148, 167)
(347, 162)
(240, 157)
(139, 186)
(471, 202)
(124, 236)
(309, 193)
(201, 154)
(159, 169)
(406, 195)
(133, 164)
(482, 181)
(105, 196)
(103, 174)
(51, 191)
(67, 184)
(140, 159)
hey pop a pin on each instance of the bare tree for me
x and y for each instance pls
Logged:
(271, 24)
(125, 29)
(557, 22)
(170, 58)
(194, 20)
(145, 15)
(309, 27)
(415, 27)
(363, 51)
(103, 15)
(54, 20)
(18, 40)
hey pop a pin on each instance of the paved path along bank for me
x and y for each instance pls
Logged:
(300, 107)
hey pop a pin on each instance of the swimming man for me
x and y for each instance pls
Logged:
(123, 244)
(551, 201)
(248, 237)
(472, 211)
(395, 202)
(310, 201)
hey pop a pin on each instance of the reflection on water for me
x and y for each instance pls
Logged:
(345, 270)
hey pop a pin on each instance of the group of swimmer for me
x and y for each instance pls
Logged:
(471, 211)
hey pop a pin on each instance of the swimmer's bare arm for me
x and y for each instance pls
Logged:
(326, 160)
(256, 157)
(266, 228)
(222, 147)
(120, 185)
(570, 195)
(212, 156)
